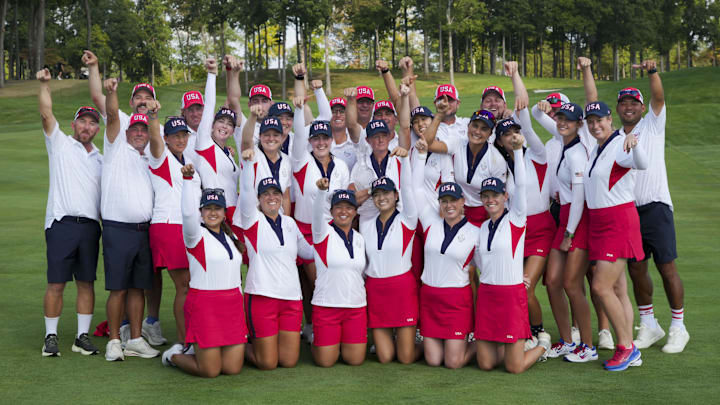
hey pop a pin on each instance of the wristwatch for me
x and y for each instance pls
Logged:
(569, 235)
(651, 71)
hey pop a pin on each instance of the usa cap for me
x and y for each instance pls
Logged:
(213, 196)
(338, 101)
(450, 189)
(571, 111)
(384, 104)
(556, 99)
(375, 127)
(503, 126)
(383, 183)
(267, 184)
(318, 128)
(143, 86)
(492, 184)
(495, 89)
(341, 195)
(597, 108)
(630, 92)
(270, 123)
(192, 98)
(260, 90)
(175, 125)
(87, 110)
(421, 111)
(447, 90)
(365, 92)
(279, 108)
(485, 116)
(226, 112)
(138, 118)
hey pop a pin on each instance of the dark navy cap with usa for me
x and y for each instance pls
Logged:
(597, 108)
(270, 123)
(450, 189)
(279, 108)
(421, 111)
(492, 184)
(383, 183)
(268, 183)
(175, 125)
(318, 128)
(485, 116)
(226, 112)
(375, 127)
(571, 111)
(503, 126)
(341, 195)
(213, 196)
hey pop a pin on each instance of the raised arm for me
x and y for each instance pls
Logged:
(157, 145)
(299, 88)
(112, 124)
(304, 249)
(630, 156)
(585, 66)
(321, 211)
(540, 113)
(404, 117)
(248, 130)
(248, 197)
(351, 118)
(408, 78)
(91, 61)
(300, 142)
(323, 104)
(204, 137)
(435, 145)
(233, 67)
(519, 203)
(45, 102)
(384, 69)
(533, 140)
(522, 100)
(657, 94)
(190, 206)
(407, 197)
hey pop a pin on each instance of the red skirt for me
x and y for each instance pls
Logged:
(501, 313)
(539, 234)
(615, 233)
(580, 240)
(168, 247)
(446, 313)
(392, 302)
(215, 318)
(476, 215)
(306, 230)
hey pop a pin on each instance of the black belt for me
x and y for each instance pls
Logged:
(142, 226)
(76, 220)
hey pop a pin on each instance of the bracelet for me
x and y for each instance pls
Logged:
(569, 235)
(301, 77)
(187, 178)
(651, 71)
(384, 71)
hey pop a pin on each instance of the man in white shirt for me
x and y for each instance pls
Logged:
(72, 231)
(126, 205)
(652, 197)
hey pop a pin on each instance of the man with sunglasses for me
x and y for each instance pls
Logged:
(654, 205)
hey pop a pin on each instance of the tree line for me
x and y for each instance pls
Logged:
(167, 39)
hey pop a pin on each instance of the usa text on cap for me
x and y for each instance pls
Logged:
(87, 110)
(175, 125)
(571, 111)
(213, 196)
(338, 101)
(192, 98)
(485, 116)
(260, 90)
(384, 104)
(138, 118)
(270, 123)
(447, 90)
(279, 108)
(375, 127)
(347, 196)
(421, 111)
(492, 184)
(365, 92)
(226, 112)
(450, 189)
(267, 184)
(318, 128)
(496, 89)
(143, 86)
(631, 92)
(503, 126)
(383, 183)
(597, 108)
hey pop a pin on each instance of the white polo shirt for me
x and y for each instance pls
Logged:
(609, 179)
(492, 164)
(346, 151)
(571, 169)
(448, 267)
(167, 182)
(391, 170)
(651, 185)
(74, 178)
(457, 129)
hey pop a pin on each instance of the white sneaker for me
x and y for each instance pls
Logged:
(575, 333)
(677, 340)
(531, 343)
(471, 337)
(124, 334)
(560, 349)
(153, 333)
(177, 348)
(648, 335)
(113, 350)
(372, 349)
(544, 342)
(605, 340)
(189, 349)
(140, 348)
(307, 332)
(582, 354)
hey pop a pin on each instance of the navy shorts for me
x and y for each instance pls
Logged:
(657, 228)
(72, 249)
(127, 257)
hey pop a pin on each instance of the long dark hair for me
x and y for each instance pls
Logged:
(229, 232)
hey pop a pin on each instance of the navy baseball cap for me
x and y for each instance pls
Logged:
(383, 183)
(226, 112)
(421, 111)
(485, 116)
(597, 108)
(279, 108)
(267, 183)
(571, 111)
(270, 123)
(318, 128)
(375, 127)
(450, 189)
(341, 195)
(213, 196)
(504, 125)
(174, 125)
(492, 184)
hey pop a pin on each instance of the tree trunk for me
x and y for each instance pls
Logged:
(247, 88)
(450, 58)
(377, 44)
(642, 73)
(298, 42)
(523, 55)
(308, 54)
(152, 73)
(555, 57)
(394, 37)
(473, 64)
(3, 12)
(426, 50)
(483, 47)
(281, 39)
(503, 53)
(405, 26)
(222, 41)
(541, 54)
(633, 60)
(467, 54)
(440, 46)
(30, 54)
(678, 56)
(493, 54)
(283, 72)
(598, 70)
(688, 53)
(267, 46)
(328, 86)
(562, 58)
(616, 66)
(88, 19)
(572, 57)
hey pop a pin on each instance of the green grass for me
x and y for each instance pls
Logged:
(693, 98)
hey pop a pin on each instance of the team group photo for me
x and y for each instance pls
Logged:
(359, 201)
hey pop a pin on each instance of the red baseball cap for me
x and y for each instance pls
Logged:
(138, 118)
(384, 104)
(143, 86)
(631, 92)
(365, 92)
(447, 90)
(496, 89)
(556, 99)
(338, 101)
(87, 110)
(191, 98)
(260, 90)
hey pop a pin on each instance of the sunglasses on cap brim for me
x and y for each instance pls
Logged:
(552, 100)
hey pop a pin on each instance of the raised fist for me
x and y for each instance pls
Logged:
(544, 106)
(258, 111)
(298, 101)
(511, 67)
(323, 183)
(646, 65)
(381, 65)
(583, 63)
(408, 80)
(442, 105)
(399, 152)
(350, 92)
(89, 58)
(421, 146)
(43, 75)
(404, 89)
(517, 141)
(248, 154)
(153, 106)
(188, 170)
(211, 65)
(405, 63)
(110, 85)
(299, 69)
(521, 103)
(316, 84)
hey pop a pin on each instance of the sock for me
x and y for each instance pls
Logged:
(124, 322)
(535, 329)
(647, 316)
(83, 323)
(677, 317)
(151, 320)
(51, 325)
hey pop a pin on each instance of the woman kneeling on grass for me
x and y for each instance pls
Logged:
(501, 311)
(214, 313)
